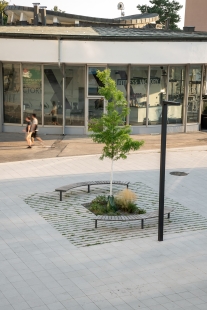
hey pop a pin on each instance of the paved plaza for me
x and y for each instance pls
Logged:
(13, 146)
(52, 258)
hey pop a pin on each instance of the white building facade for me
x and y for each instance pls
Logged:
(42, 67)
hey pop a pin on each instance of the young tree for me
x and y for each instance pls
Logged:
(110, 129)
(165, 9)
(55, 9)
(3, 4)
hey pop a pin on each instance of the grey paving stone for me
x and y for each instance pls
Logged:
(90, 306)
(20, 306)
(8, 307)
(103, 304)
(183, 303)
(149, 302)
(40, 308)
(196, 301)
(202, 306)
(172, 306)
(70, 304)
(34, 302)
(127, 261)
(4, 301)
(55, 306)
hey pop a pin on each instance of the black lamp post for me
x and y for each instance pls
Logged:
(165, 105)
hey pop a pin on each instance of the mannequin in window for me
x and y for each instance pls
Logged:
(54, 113)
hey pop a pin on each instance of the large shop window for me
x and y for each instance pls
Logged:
(119, 75)
(75, 95)
(53, 96)
(176, 92)
(95, 108)
(194, 94)
(138, 95)
(12, 91)
(32, 91)
(93, 81)
(157, 91)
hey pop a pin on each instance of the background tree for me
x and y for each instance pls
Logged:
(3, 4)
(165, 9)
(110, 129)
(55, 9)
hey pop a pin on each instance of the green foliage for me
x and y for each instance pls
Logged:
(110, 129)
(55, 9)
(130, 207)
(3, 5)
(165, 9)
(100, 206)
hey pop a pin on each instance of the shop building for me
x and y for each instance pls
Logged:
(42, 67)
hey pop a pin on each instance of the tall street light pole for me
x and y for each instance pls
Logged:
(165, 105)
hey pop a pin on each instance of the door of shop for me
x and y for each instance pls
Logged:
(95, 109)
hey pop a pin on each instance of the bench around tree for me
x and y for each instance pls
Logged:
(90, 183)
(132, 217)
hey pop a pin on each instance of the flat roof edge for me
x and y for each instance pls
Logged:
(101, 38)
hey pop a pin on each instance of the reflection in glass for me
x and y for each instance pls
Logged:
(176, 91)
(157, 89)
(75, 95)
(93, 80)
(95, 108)
(12, 90)
(53, 96)
(195, 76)
(138, 95)
(32, 91)
(119, 75)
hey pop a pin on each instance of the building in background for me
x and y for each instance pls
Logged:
(46, 68)
(195, 14)
(22, 16)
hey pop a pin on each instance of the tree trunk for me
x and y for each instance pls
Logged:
(112, 162)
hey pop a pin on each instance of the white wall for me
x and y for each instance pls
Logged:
(134, 52)
(26, 50)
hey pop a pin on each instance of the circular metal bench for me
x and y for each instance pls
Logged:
(135, 217)
(90, 183)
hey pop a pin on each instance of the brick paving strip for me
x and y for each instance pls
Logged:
(75, 222)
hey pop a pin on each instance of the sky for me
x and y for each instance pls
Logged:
(95, 8)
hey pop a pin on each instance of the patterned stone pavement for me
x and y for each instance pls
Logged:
(76, 223)
(44, 267)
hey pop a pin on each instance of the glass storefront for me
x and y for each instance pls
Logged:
(34, 88)
(138, 95)
(93, 81)
(176, 92)
(12, 93)
(194, 94)
(157, 91)
(32, 91)
(75, 95)
(53, 95)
